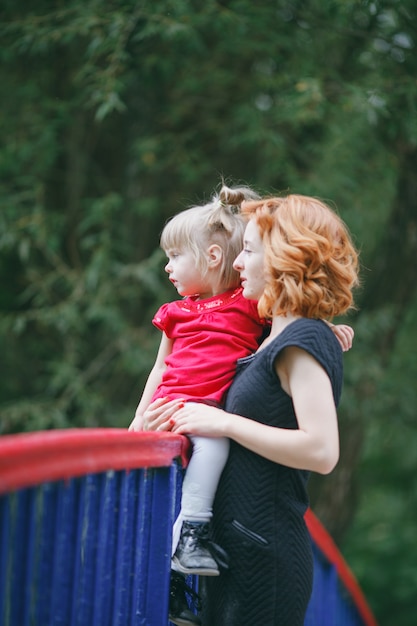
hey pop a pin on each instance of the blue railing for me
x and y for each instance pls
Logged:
(85, 533)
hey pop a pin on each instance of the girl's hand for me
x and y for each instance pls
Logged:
(344, 335)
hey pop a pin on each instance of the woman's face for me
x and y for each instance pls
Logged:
(250, 263)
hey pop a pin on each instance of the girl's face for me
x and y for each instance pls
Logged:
(250, 263)
(183, 273)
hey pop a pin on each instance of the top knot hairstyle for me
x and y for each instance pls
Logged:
(311, 264)
(217, 222)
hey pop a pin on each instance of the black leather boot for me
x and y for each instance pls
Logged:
(196, 553)
(179, 611)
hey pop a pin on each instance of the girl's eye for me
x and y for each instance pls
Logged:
(247, 251)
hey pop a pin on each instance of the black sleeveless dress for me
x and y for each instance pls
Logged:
(259, 506)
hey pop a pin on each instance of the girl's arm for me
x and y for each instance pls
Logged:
(154, 380)
(314, 446)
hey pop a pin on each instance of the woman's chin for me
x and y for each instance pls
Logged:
(248, 294)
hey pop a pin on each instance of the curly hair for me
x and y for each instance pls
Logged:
(311, 264)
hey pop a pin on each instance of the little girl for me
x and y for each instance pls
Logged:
(203, 336)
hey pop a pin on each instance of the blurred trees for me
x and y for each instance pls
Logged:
(116, 115)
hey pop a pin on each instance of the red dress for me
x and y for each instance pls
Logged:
(209, 337)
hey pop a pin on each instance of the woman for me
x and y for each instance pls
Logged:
(280, 414)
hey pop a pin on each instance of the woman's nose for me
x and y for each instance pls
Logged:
(237, 265)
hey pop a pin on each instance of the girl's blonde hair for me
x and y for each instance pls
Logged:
(218, 222)
(311, 264)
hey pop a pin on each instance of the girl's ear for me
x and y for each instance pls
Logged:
(214, 256)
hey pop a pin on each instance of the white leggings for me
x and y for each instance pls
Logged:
(202, 476)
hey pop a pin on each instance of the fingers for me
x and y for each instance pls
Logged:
(197, 419)
(346, 335)
(348, 339)
(158, 415)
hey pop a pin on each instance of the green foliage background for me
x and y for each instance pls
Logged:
(116, 115)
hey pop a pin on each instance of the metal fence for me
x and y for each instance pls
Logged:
(85, 533)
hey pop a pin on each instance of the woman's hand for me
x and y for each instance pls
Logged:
(197, 418)
(186, 418)
(344, 334)
(159, 413)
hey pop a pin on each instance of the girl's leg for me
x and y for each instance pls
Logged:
(209, 456)
(203, 473)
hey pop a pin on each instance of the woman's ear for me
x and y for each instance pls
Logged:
(214, 256)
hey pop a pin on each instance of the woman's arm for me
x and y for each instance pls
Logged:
(309, 386)
(154, 380)
(314, 446)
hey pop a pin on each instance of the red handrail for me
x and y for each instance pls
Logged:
(326, 544)
(29, 459)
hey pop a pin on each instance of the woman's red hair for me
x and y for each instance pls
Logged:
(311, 264)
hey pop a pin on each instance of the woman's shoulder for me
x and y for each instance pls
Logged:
(316, 338)
(305, 329)
(313, 336)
